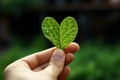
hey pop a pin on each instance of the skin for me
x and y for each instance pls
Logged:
(50, 64)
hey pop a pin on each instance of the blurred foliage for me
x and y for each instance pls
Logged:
(94, 61)
(16, 6)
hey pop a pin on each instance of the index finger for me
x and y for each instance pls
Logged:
(38, 58)
(72, 48)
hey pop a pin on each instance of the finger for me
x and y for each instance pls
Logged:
(38, 58)
(56, 63)
(65, 73)
(41, 67)
(72, 48)
(69, 58)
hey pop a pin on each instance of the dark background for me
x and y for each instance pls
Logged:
(98, 36)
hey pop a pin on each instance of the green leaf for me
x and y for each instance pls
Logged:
(61, 36)
(51, 30)
(68, 31)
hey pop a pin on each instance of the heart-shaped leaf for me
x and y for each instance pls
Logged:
(61, 36)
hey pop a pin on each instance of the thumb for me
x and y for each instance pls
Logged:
(56, 63)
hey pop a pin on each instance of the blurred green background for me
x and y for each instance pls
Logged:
(98, 37)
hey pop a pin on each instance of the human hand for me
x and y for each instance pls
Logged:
(50, 64)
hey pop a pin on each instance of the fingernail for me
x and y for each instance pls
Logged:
(58, 54)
